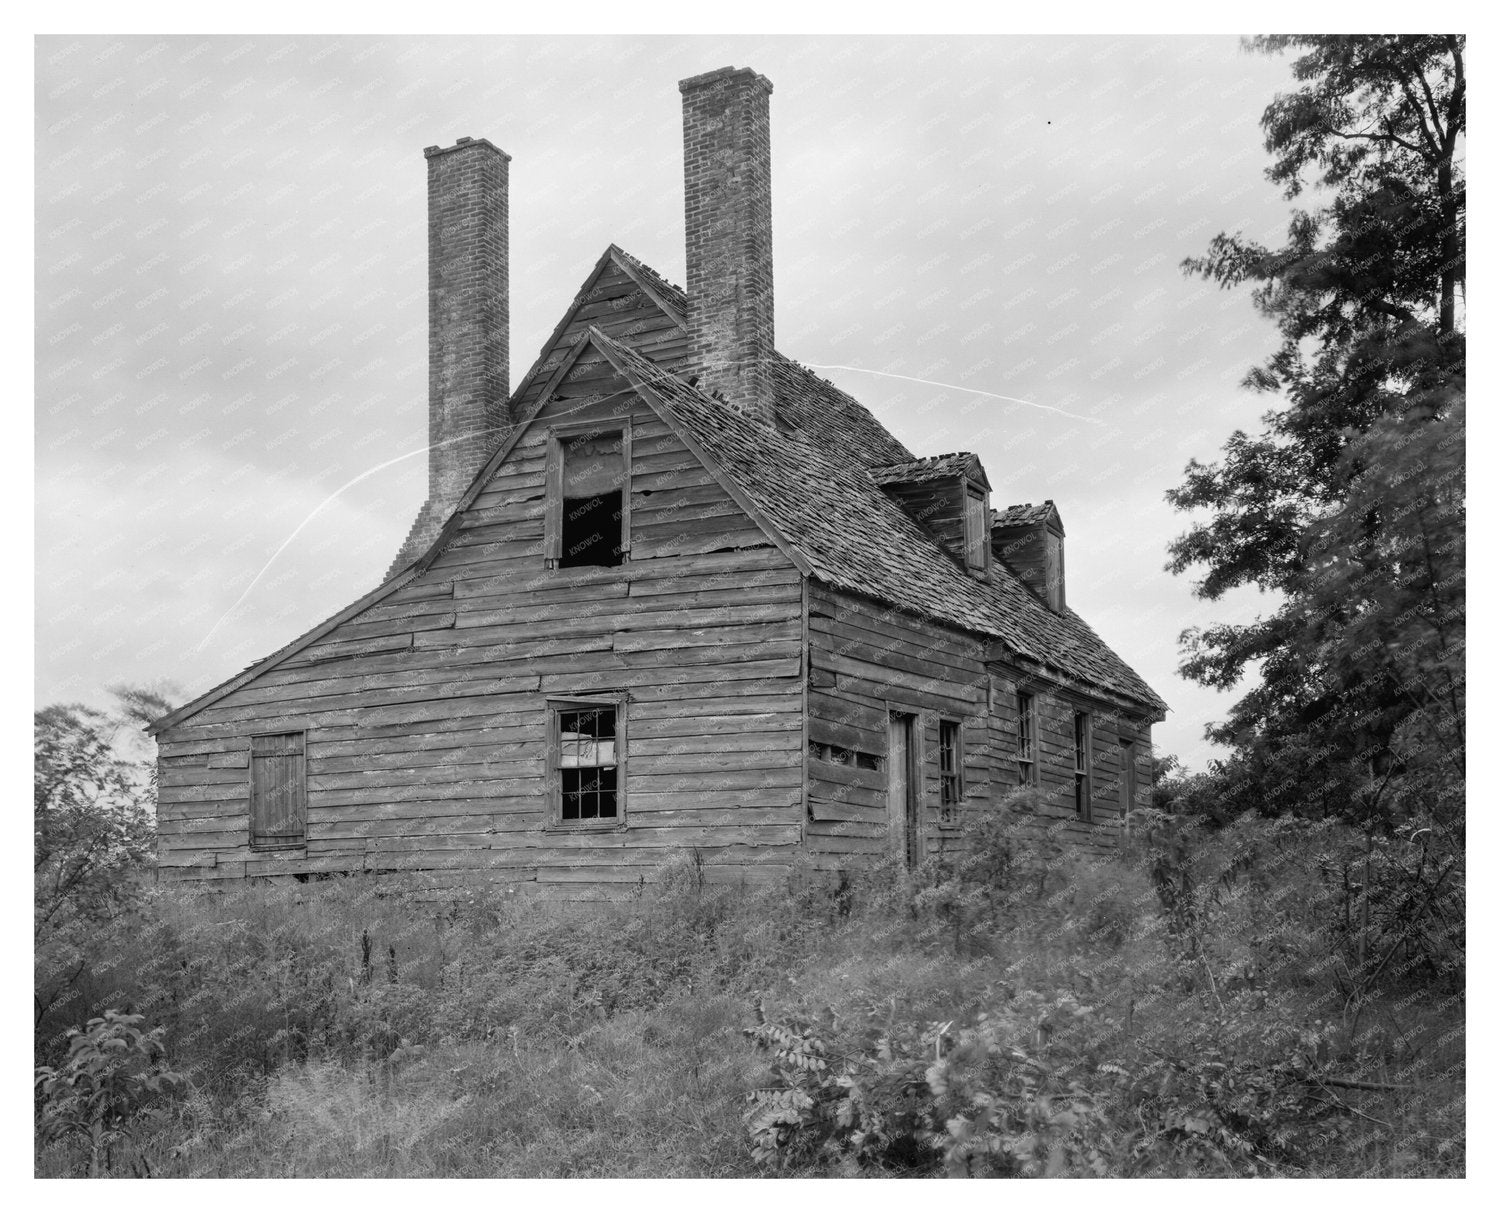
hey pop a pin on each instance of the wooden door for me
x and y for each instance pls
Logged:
(902, 788)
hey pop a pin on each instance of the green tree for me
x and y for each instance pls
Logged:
(1349, 505)
(94, 833)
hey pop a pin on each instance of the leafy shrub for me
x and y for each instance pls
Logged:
(106, 1090)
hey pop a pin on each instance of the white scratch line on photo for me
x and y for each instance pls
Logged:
(287, 542)
(864, 370)
(379, 467)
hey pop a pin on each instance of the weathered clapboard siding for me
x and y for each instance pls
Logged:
(865, 661)
(425, 715)
(1054, 709)
(618, 307)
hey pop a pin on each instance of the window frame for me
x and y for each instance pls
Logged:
(1083, 763)
(1026, 718)
(556, 705)
(285, 842)
(954, 777)
(976, 528)
(559, 434)
(1129, 789)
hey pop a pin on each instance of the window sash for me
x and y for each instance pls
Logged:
(1082, 762)
(586, 763)
(1026, 738)
(950, 765)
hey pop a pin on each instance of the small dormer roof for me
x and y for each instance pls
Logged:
(1029, 515)
(933, 467)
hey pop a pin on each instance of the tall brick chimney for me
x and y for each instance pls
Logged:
(468, 325)
(726, 138)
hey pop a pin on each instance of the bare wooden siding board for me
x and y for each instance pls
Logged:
(413, 704)
(631, 599)
(741, 815)
(533, 590)
(675, 783)
(684, 682)
(895, 633)
(634, 614)
(711, 797)
(705, 725)
(708, 764)
(255, 703)
(828, 726)
(687, 740)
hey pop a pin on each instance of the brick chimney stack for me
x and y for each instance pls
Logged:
(468, 325)
(726, 136)
(468, 310)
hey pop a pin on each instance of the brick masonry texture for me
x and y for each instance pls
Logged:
(468, 313)
(726, 134)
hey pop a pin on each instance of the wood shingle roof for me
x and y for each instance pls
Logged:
(814, 483)
(842, 527)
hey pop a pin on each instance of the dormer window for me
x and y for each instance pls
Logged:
(588, 496)
(976, 530)
(948, 496)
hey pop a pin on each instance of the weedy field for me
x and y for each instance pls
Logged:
(1271, 998)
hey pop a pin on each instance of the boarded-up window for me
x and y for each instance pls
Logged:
(587, 749)
(278, 790)
(588, 509)
(1083, 752)
(950, 766)
(1026, 739)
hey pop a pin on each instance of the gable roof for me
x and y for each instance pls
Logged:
(811, 485)
(836, 521)
(828, 416)
(1027, 515)
(932, 467)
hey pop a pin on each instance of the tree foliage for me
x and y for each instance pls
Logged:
(93, 817)
(94, 831)
(106, 1090)
(1349, 505)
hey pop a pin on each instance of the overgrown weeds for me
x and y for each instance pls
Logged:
(1270, 998)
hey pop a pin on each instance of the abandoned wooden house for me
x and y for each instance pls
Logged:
(675, 591)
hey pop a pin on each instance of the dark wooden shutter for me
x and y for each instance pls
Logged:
(278, 790)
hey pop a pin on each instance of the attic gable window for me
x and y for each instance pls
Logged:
(588, 496)
(976, 530)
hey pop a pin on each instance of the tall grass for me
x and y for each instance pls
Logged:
(1200, 1008)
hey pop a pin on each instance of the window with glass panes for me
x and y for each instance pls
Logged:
(1083, 745)
(950, 766)
(587, 760)
(1026, 739)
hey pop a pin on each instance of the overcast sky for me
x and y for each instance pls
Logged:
(231, 313)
